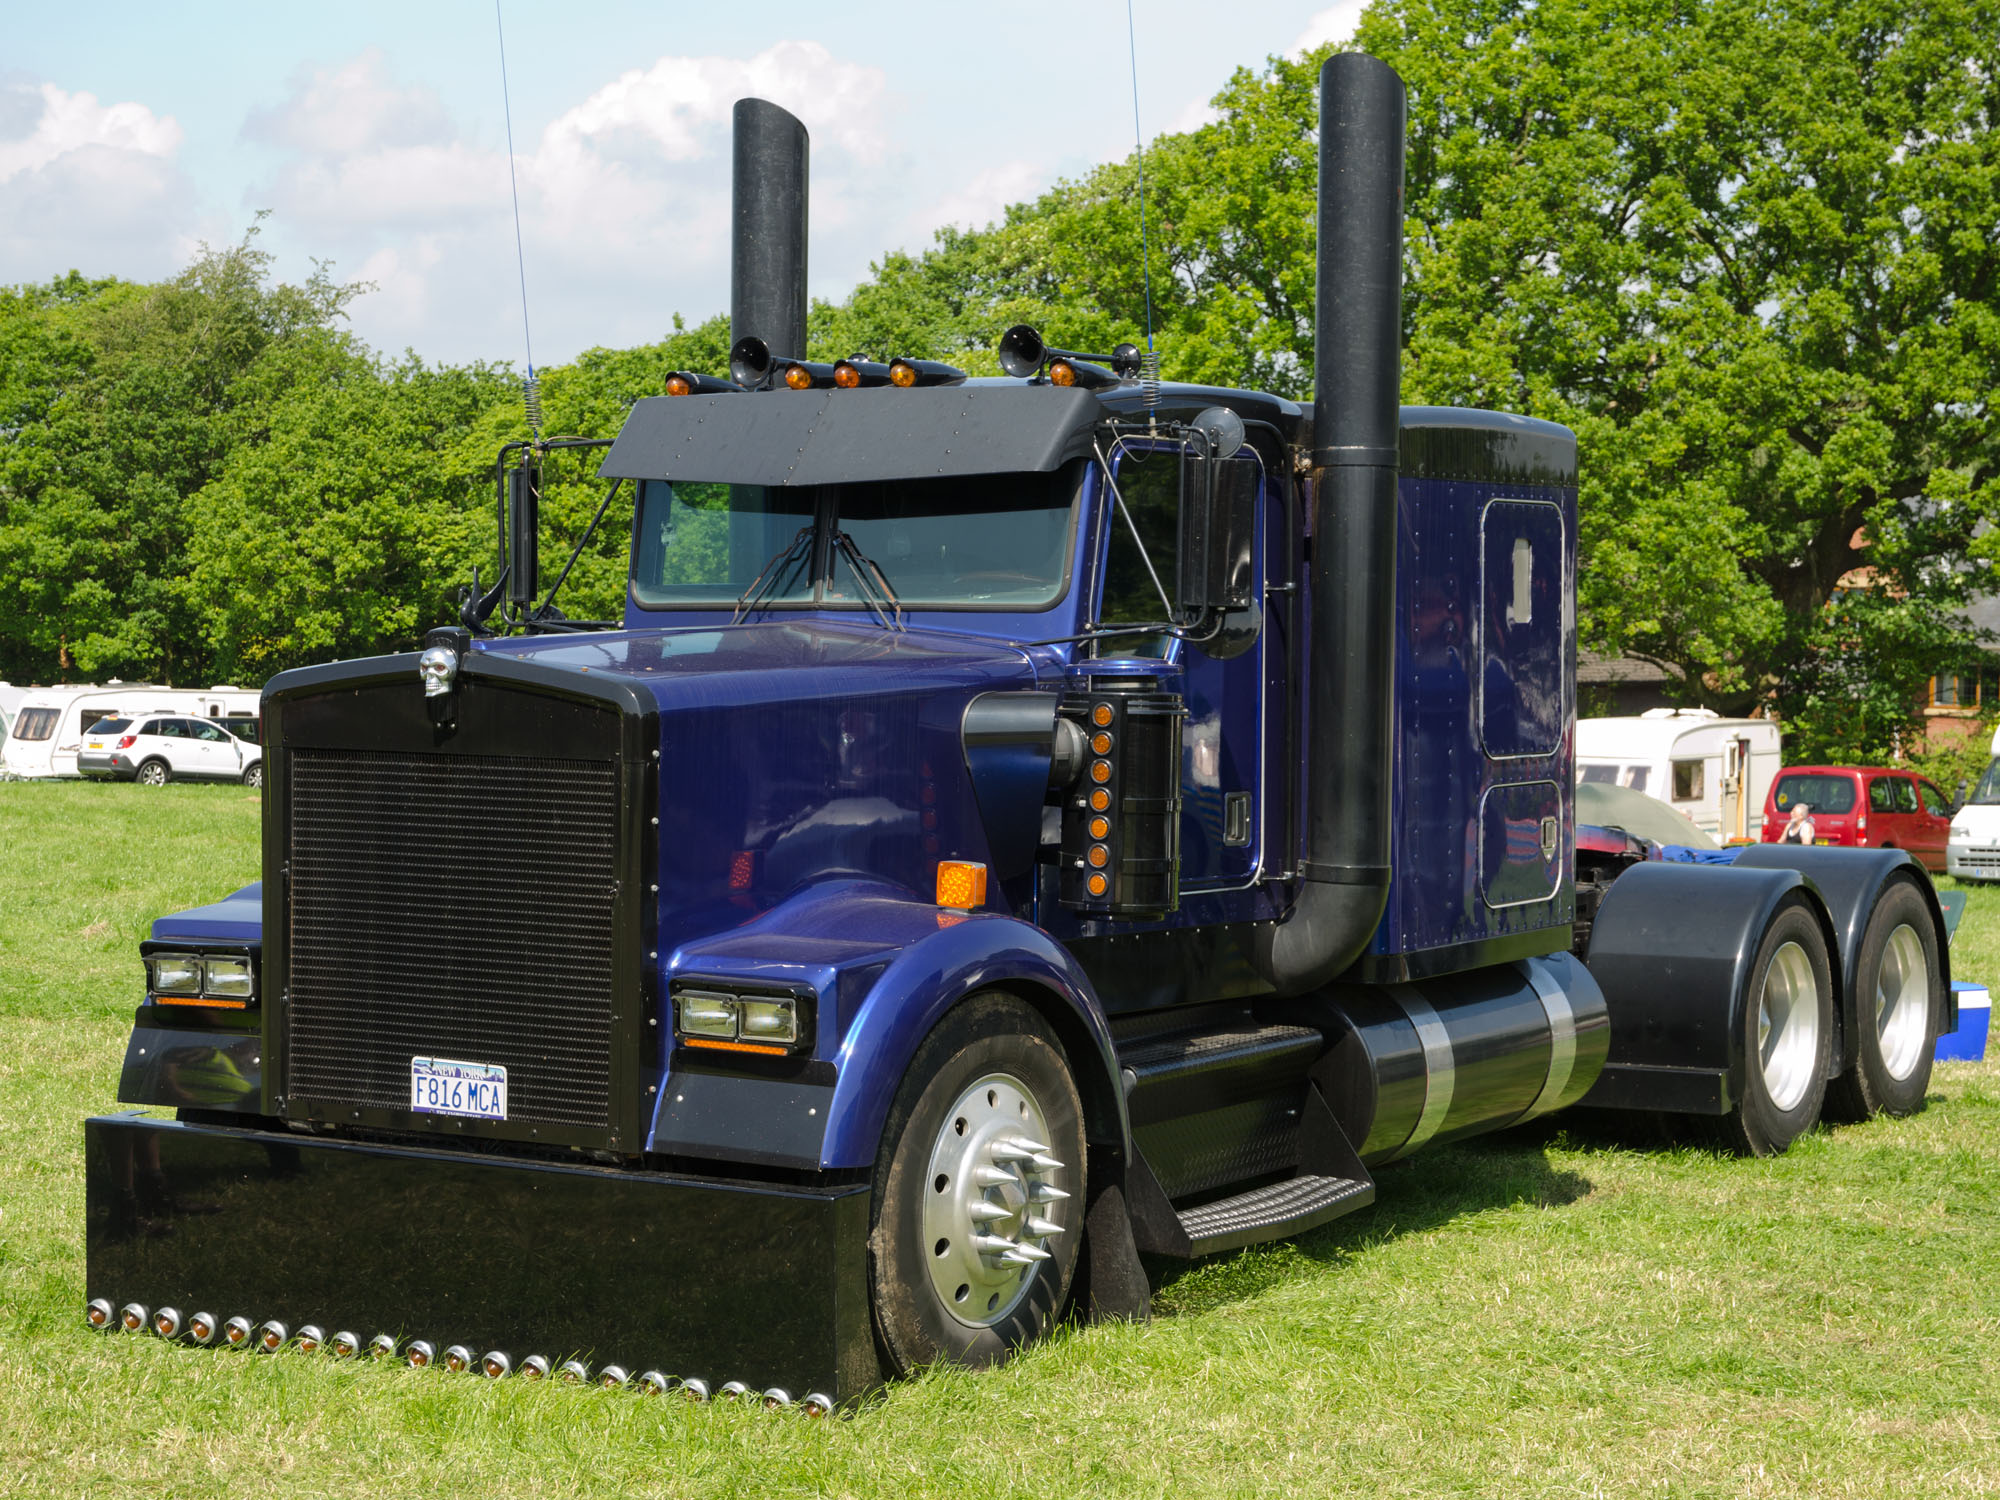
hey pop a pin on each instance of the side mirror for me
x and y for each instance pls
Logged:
(524, 505)
(1218, 522)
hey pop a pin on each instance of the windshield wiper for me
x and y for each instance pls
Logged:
(875, 589)
(773, 570)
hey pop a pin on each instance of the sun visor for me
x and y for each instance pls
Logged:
(839, 437)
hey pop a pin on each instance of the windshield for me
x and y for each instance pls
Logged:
(1987, 793)
(1823, 794)
(999, 541)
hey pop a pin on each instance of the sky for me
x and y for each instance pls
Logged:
(376, 135)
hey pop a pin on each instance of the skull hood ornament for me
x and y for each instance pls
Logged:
(438, 667)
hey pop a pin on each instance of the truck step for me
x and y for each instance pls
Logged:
(1282, 1208)
(1183, 1071)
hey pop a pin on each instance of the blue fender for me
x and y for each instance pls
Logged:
(885, 966)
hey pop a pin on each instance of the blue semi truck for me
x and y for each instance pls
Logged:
(1019, 826)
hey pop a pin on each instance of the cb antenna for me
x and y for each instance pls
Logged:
(1149, 362)
(531, 387)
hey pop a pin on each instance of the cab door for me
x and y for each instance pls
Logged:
(1223, 794)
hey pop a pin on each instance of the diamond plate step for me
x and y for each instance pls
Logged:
(1266, 1213)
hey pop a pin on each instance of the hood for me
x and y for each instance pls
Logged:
(779, 661)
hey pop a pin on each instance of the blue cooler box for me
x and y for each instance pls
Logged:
(1975, 1009)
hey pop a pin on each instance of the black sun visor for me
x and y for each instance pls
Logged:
(840, 437)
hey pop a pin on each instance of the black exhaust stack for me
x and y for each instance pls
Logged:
(1352, 574)
(767, 243)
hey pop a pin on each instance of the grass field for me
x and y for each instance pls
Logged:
(1540, 1313)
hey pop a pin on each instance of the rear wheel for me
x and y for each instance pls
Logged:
(253, 774)
(1787, 1036)
(1898, 1006)
(154, 773)
(979, 1190)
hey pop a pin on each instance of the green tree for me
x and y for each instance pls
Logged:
(1748, 251)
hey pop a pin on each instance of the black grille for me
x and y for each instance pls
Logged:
(458, 907)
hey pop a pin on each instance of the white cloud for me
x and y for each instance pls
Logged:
(624, 197)
(981, 199)
(1334, 24)
(89, 185)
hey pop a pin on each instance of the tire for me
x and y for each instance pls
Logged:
(1898, 1006)
(253, 774)
(1787, 1036)
(154, 773)
(974, 1091)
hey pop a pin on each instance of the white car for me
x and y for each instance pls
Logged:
(155, 750)
(1972, 848)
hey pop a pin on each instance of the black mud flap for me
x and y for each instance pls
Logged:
(694, 1277)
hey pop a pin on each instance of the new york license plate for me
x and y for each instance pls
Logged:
(442, 1086)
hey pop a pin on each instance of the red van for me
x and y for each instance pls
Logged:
(1863, 807)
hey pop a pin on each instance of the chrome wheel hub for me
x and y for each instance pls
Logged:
(1788, 1026)
(1902, 1001)
(992, 1200)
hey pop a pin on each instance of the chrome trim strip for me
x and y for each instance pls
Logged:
(1440, 1068)
(1562, 1036)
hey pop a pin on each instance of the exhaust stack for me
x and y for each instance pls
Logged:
(767, 242)
(1344, 866)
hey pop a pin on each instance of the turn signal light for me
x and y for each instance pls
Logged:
(961, 885)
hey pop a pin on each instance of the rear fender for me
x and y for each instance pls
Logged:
(1672, 948)
(885, 967)
(1850, 882)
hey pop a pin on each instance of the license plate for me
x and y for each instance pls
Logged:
(441, 1086)
(96, 744)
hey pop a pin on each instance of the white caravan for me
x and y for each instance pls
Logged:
(48, 725)
(1972, 849)
(1717, 771)
(10, 700)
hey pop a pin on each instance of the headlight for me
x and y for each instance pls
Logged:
(174, 973)
(770, 1020)
(708, 1016)
(227, 978)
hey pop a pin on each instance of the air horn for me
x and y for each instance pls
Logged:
(1023, 354)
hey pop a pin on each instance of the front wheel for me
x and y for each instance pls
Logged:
(253, 774)
(1898, 1006)
(1787, 1036)
(979, 1190)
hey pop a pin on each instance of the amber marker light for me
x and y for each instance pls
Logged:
(1099, 856)
(902, 374)
(1098, 885)
(1100, 828)
(961, 885)
(798, 377)
(1101, 715)
(1061, 372)
(1100, 743)
(846, 376)
(715, 1046)
(1100, 771)
(1100, 800)
(181, 1000)
(679, 385)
